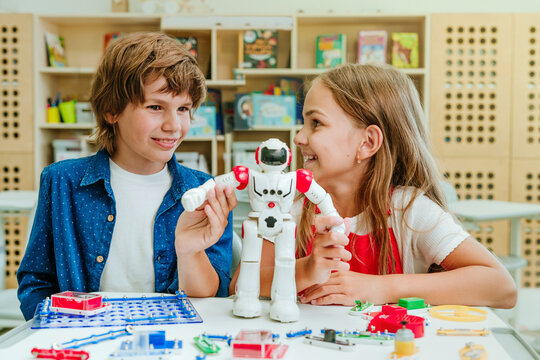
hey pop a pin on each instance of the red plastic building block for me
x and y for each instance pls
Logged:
(60, 354)
(389, 320)
(79, 303)
(257, 344)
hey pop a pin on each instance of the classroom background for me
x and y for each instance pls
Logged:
(476, 65)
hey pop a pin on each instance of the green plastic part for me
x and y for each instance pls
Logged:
(206, 345)
(412, 303)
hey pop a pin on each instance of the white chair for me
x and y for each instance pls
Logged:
(23, 201)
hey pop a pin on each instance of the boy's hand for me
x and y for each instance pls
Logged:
(328, 253)
(344, 287)
(202, 228)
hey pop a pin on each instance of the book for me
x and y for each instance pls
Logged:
(243, 112)
(108, 38)
(272, 110)
(257, 49)
(294, 86)
(203, 123)
(372, 47)
(213, 98)
(190, 43)
(56, 55)
(330, 51)
(405, 50)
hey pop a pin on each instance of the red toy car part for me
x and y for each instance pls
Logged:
(390, 320)
(59, 354)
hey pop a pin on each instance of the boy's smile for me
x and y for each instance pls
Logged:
(149, 133)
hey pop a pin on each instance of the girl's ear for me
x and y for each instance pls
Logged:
(111, 119)
(372, 139)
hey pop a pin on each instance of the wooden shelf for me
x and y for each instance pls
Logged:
(67, 71)
(64, 126)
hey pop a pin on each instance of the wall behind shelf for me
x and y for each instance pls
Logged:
(238, 7)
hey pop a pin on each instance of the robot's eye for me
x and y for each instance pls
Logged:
(273, 156)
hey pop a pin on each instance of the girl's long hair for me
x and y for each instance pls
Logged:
(387, 98)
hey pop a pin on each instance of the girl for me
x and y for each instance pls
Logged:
(365, 141)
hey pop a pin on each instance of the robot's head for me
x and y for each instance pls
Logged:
(273, 155)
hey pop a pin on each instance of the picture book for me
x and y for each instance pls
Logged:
(257, 49)
(204, 122)
(213, 98)
(272, 110)
(243, 112)
(372, 47)
(294, 86)
(56, 55)
(330, 51)
(108, 37)
(405, 50)
(190, 43)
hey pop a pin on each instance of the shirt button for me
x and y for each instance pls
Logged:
(110, 218)
(99, 259)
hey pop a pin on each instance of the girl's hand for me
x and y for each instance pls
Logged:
(344, 287)
(202, 228)
(328, 252)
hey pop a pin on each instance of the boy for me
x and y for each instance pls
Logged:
(105, 222)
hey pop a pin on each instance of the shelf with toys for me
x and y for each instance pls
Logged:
(220, 43)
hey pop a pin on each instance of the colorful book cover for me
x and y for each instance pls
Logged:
(272, 110)
(331, 51)
(257, 49)
(190, 43)
(204, 122)
(372, 47)
(405, 50)
(243, 112)
(108, 38)
(213, 98)
(294, 86)
(56, 55)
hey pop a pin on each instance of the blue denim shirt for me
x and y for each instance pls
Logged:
(73, 227)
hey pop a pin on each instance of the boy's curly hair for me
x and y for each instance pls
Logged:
(128, 63)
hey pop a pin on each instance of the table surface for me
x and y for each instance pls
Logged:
(491, 210)
(218, 319)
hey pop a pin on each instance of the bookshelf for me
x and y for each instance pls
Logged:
(218, 57)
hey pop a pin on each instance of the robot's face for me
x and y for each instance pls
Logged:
(274, 157)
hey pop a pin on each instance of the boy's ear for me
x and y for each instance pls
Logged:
(111, 119)
(372, 139)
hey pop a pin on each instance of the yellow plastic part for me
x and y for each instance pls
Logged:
(458, 313)
(473, 352)
(405, 348)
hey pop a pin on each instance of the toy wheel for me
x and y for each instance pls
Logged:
(458, 313)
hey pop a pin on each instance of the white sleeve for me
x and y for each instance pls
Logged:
(433, 232)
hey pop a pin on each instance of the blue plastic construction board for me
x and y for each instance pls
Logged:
(166, 309)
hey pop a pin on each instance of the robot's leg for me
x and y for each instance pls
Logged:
(246, 302)
(284, 307)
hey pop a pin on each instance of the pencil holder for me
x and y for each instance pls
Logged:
(53, 115)
(67, 111)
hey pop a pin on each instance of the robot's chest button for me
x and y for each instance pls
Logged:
(271, 205)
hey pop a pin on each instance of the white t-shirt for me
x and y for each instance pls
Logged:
(428, 234)
(130, 263)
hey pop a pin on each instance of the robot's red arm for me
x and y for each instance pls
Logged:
(241, 173)
(303, 180)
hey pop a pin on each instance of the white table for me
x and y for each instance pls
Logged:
(475, 211)
(218, 319)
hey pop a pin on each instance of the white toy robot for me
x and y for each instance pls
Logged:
(271, 194)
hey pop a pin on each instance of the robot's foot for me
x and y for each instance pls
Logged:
(284, 311)
(247, 307)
